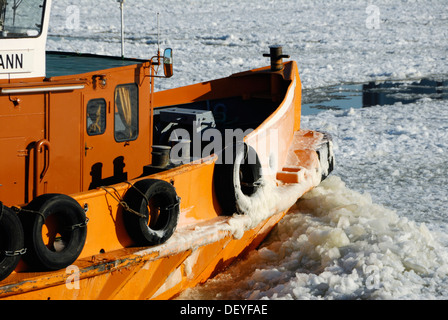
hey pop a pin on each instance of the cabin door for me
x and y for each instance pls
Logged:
(95, 148)
(111, 137)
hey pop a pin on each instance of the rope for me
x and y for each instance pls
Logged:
(18, 210)
(69, 228)
(147, 200)
(122, 203)
(141, 193)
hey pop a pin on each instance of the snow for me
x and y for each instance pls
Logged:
(337, 244)
(376, 229)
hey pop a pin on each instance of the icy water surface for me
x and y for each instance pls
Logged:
(359, 95)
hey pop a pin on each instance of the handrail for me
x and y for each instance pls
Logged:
(39, 147)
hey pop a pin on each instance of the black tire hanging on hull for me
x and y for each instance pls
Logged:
(154, 212)
(11, 241)
(238, 168)
(64, 217)
(326, 156)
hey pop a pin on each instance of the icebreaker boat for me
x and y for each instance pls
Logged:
(109, 190)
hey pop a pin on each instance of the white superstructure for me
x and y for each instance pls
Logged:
(23, 35)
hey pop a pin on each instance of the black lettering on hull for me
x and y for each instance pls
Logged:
(11, 61)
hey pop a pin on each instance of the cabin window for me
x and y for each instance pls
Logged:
(126, 112)
(96, 117)
(21, 19)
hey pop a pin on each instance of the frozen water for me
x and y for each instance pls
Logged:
(360, 95)
(337, 244)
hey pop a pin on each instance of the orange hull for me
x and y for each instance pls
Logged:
(140, 273)
(196, 252)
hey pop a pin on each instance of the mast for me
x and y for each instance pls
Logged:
(122, 26)
(2, 13)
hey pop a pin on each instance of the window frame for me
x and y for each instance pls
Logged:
(40, 31)
(135, 114)
(104, 127)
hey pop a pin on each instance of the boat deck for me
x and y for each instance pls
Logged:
(64, 64)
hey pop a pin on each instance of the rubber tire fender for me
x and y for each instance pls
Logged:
(326, 155)
(68, 213)
(163, 202)
(11, 240)
(235, 176)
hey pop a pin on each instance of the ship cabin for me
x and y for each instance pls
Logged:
(69, 122)
(73, 122)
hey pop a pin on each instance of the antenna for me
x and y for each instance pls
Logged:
(122, 26)
(158, 34)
